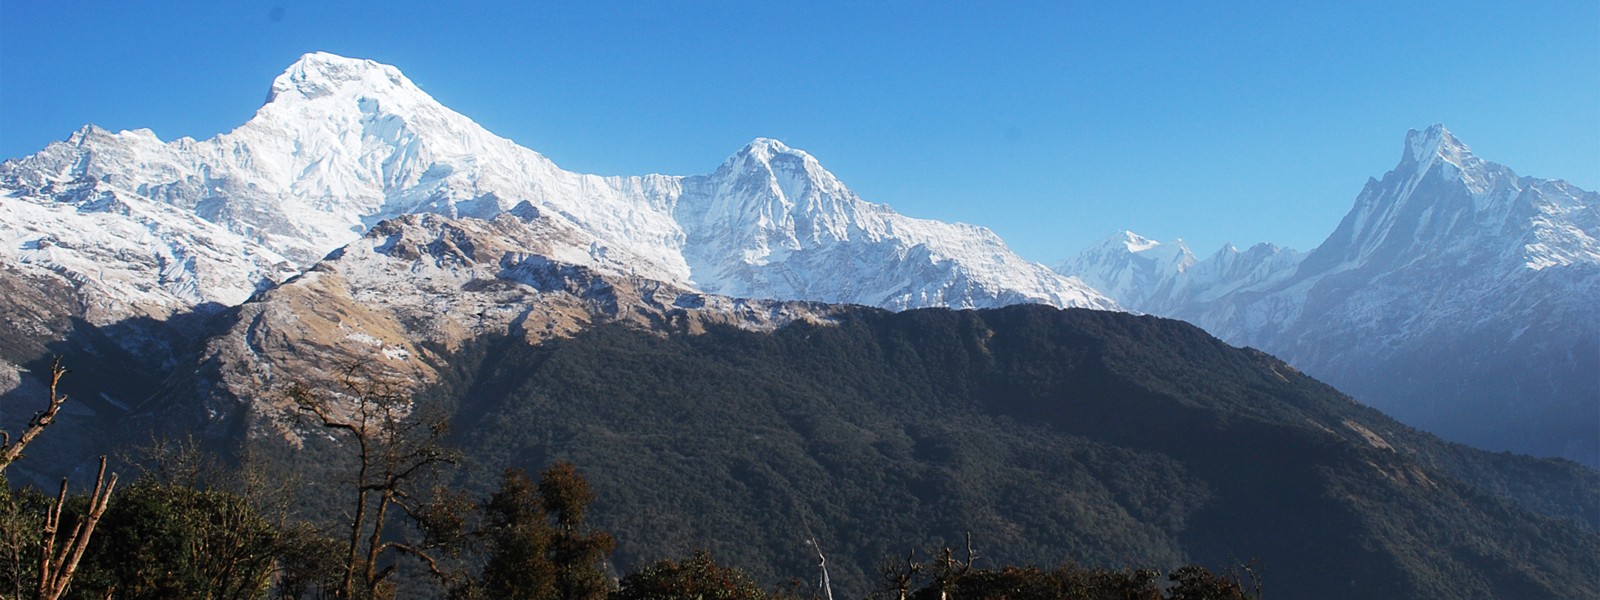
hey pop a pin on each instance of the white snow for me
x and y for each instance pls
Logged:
(131, 256)
(1444, 240)
(342, 144)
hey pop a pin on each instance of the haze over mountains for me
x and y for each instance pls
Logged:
(1455, 295)
(355, 221)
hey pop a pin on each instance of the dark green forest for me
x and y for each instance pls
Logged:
(1053, 436)
(1014, 453)
(190, 527)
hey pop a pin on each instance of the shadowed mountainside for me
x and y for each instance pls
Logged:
(1102, 438)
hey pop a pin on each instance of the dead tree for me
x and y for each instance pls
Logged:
(58, 558)
(393, 445)
(948, 570)
(898, 578)
(57, 564)
(822, 563)
(10, 451)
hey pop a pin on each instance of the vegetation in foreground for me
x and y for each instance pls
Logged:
(164, 539)
(190, 527)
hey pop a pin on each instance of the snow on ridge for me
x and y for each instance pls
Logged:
(311, 75)
(1137, 243)
(131, 256)
(1456, 204)
(1442, 219)
(771, 222)
(1129, 267)
(342, 144)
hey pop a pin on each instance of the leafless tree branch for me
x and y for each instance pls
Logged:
(11, 451)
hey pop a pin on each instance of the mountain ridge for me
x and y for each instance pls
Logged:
(1147, 427)
(342, 144)
(567, 305)
(1446, 270)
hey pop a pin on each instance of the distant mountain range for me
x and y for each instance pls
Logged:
(693, 341)
(342, 144)
(698, 342)
(1455, 296)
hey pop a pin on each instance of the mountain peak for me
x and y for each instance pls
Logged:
(766, 144)
(85, 133)
(343, 144)
(1433, 144)
(766, 157)
(320, 74)
(1132, 241)
(765, 149)
(1128, 266)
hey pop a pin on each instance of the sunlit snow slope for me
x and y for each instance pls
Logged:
(342, 144)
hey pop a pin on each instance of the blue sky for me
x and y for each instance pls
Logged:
(1056, 124)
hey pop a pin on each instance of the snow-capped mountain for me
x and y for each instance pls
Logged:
(1162, 278)
(342, 144)
(78, 254)
(1455, 295)
(1129, 267)
(128, 255)
(772, 223)
(1226, 271)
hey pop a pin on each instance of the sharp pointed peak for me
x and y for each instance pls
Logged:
(1434, 142)
(1134, 242)
(85, 132)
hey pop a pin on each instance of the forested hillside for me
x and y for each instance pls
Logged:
(1049, 435)
(976, 443)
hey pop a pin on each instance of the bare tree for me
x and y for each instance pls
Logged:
(10, 451)
(899, 577)
(948, 569)
(58, 558)
(393, 445)
(823, 584)
(57, 565)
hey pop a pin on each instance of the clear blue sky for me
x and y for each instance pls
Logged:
(1054, 123)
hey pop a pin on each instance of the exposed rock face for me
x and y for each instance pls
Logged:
(391, 306)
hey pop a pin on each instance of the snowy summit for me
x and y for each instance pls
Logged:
(342, 144)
